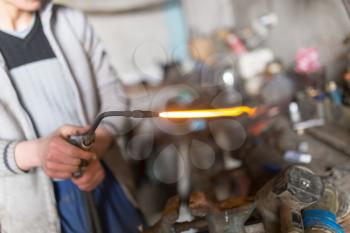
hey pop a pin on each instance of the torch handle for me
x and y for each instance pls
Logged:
(78, 141)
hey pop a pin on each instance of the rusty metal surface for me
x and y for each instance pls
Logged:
(227, 216)
(198, 224)
(231, 220)
(168, 219)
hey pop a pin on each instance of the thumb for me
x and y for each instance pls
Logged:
(71, 130)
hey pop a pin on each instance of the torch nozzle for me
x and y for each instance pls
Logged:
(90, 135)
(144, 114)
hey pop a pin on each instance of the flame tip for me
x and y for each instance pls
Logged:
(210, 113)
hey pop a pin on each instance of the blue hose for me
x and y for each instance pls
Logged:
(322, 219)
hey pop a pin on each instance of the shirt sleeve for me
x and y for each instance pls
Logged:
(8, 165)
(110, 88)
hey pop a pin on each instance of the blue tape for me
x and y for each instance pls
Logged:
(321, 218)
(320, 213)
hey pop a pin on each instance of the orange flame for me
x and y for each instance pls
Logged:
(210, 113)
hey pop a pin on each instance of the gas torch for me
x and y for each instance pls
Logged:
(86, 140)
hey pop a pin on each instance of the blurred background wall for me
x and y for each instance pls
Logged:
(321, 24)
(139, 41)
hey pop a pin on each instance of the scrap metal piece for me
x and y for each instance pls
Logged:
(170, 215)
(197, 224)
(231, 220)
(281, 200)
(228, 216)
(223, 217)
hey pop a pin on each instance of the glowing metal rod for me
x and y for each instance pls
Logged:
(210, 113)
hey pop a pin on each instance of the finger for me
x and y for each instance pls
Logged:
(97, 180)
(63, 159)
(91, 183)
(93, 170)
(71, 150)
(88, 187)
(95, 184)
(69, 130)
(59, 167)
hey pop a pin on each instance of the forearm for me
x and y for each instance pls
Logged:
(54, 154)
(8, 161)
(27, 154)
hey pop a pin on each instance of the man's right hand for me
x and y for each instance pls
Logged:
(54, 154)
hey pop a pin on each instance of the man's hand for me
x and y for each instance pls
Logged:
(59, 158)
(91, 178)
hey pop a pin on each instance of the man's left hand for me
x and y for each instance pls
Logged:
(93, 176)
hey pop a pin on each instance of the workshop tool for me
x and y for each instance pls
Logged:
(86, 140)
(321, 216)
(227, 216)
(281, 200)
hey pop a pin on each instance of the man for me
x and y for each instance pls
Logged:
(54, 72)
